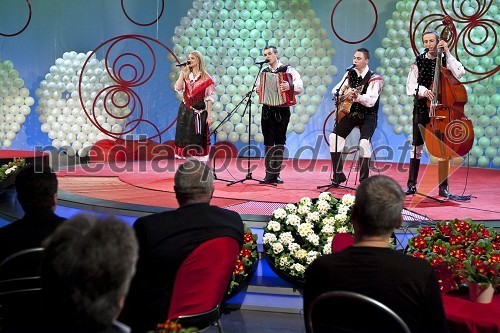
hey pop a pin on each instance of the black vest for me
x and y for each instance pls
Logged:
(357, 109)
(426, 68)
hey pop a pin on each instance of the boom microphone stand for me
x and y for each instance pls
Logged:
(336, 98)
(248, 106)
(214, 132)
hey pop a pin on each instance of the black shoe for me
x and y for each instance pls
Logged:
(339, 178)
(277, 180)
(268, 179)
(443, 192)
(411, 189)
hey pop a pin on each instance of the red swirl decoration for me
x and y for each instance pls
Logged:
(357, 41)
(144, 24)
(472, 21)
(25, 26)
(128, 70)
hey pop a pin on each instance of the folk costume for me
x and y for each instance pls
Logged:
(363, 114)
(274, 124)
(423, 70)
(192, 131)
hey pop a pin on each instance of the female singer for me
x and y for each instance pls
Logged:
(195, 110)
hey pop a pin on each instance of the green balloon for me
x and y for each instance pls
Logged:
(482, 161)
(483, 142)
(490, 152)
(490, 131)
(476, 151)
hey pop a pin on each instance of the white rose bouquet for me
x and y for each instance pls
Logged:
(299, 233)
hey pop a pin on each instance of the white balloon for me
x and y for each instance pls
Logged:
(55, 126)
(240, 128)
(10, 135)
(92, 137)
(15, 127)
(20, 119)
(221, 136)
(52, 134)
(76, 145)
(7, 143)
(259, 137)
(233, 137)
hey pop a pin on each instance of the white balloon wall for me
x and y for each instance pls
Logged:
(15, 102)
(60, 108)
(231, 35)
(483, 105)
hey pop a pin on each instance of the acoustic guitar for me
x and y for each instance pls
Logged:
(345, 102)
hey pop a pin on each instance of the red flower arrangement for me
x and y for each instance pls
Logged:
(246, 261)
(461, 251)
(171, 326)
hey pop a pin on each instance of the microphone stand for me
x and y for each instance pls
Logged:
(333, 184)
(214, 132)
(248, 97)
(415, 126)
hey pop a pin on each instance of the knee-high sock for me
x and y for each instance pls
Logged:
(416, 152)
(365, 148)
(338, 141)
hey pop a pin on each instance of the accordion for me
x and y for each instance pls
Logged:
(270, 93)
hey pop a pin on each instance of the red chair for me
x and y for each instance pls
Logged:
(341, 241)
(201, 283)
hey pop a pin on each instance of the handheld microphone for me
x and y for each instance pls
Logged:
(265, 61)
(185, 63)
(350, 67)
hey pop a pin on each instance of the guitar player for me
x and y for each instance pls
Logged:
(362, 88)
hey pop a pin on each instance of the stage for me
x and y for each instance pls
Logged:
(148, 186)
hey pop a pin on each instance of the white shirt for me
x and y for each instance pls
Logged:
(298, 85)
(373, 91)
(455, 67)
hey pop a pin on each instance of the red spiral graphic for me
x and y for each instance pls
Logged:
(464, 38)
(127, 70)
(457, 132)
(144, 24)
(25, 26)
(358, 41)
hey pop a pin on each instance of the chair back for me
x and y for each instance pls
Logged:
(20, 290)
(341, 241)
(344, 311)
(202, 280)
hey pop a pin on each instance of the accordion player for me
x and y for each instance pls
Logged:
(270, 93)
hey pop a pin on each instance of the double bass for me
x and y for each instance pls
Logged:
(449, 133)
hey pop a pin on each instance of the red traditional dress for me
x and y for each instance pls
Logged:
(192, 131)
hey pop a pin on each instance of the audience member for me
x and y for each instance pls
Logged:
(405, 284)
(37, 194)
(87, 267)
(167, 238)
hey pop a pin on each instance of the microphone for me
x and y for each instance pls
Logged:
(265, 61)
(350, 67)
(185, 63)
(425, 51)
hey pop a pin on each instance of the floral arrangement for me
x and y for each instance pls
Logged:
(247, 259)
(172, 326)
(299, 233)
(11, 168)
(468, 251)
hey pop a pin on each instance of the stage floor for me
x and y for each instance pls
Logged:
(149, 184)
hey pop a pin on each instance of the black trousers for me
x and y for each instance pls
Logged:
(367, 125)
(274, 122)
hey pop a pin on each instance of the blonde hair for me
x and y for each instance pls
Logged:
(201, 64)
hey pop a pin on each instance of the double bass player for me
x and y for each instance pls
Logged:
(421, 74)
